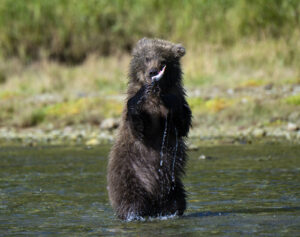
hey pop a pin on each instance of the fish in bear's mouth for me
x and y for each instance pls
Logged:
(159, 75)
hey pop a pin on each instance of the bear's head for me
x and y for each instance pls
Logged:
(156, 60)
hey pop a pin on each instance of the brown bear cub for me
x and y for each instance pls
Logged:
(148, 158)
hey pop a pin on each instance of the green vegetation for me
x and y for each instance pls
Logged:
(293, 100)
(69, 30)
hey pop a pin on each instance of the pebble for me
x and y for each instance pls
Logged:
(268, 86)
(92, 142)
(292, 127)
(259, 132)
(109, 124)
(204, 157)
(193, 147)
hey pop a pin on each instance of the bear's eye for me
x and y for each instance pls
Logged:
(147, 59)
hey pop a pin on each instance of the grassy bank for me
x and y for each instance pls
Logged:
(251, 89)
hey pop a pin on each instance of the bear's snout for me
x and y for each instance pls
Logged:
(153, 72)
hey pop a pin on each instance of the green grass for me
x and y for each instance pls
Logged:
(70, 30)
(293, 100)
(89, 110)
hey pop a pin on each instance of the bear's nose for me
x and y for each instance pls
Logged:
(153, 72)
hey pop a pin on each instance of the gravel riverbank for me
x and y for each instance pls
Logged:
(95, 135)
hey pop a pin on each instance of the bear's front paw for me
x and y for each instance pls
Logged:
(152, 89)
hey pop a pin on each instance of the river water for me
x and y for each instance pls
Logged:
(235, 190)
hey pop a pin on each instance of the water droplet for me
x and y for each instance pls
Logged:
(174, 156)
(163, 139)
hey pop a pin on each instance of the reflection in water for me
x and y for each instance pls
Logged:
(247, 190)
(250, 211)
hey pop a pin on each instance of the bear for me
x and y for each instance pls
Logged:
(147, 160)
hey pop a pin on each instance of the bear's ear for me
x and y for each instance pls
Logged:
(139, 45)
(142, 40)
(179, 50)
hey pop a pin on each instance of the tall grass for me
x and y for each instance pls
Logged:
(68, 30)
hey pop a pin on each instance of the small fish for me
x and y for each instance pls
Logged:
(159, 75)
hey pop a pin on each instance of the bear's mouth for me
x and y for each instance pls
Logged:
(159, 75)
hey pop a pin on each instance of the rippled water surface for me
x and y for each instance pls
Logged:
(236, 190)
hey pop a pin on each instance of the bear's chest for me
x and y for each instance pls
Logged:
(155, 107)
(156, 113)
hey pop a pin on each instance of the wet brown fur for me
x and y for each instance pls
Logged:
(142, 178)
